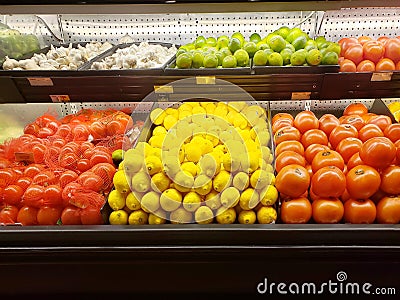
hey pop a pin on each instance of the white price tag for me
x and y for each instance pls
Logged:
(382, 76)
(301, 95)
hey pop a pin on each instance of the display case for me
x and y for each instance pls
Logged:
(195, 260)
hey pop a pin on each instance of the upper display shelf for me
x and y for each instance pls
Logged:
(179, 6)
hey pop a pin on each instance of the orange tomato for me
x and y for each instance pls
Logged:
(392, 132)
(388, 210)
(327, 123)
(354, 53)
(354, 161)
(392, 50)
(362, 182)
(292, 180)
(289, 158)
(390, 183)
(328, 182)
(314, 136)
(378, 152)
(359, 211)
(355, 120)
(312, 150)
(341, 132)
(296, 211)
(279, 116)
(385, 64)
(347, 66)
(366, 66)
(305, 120)
(369, 131)
(373, 51)
(327, 211)
(381, 120)
(289, 145)
(327, 158)
(287, 134)
(348, 147)
(355, 109)
(345, 43)
(363, 39)
(280, 123)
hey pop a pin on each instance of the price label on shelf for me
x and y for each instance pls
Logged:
(301, 95)
(163, 89)
(205, 79)
(60, 98)
(40, 81)
(382, 76)
(24, 156)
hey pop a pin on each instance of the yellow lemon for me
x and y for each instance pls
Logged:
(172, 112)
(150, 202)
(157, 141)
(157, 218)
(247, 217)
(190, 167)
(269, 195)
(138, 217)
(266, 215)
(116, 200)
(204, 215)
(213, 200)
(140, 182)
(260, 179)
(120, 181)
(221, 181)
(230, 197)
(225, 216)
(153, 164)
(193, 152)
(191, 201)
(159, 130)
(118, 217)
(241, 181)
(132, 202)
(183, 181)
(203, 185)
(249, 199)
(170, 199)
(157, 116)
(181, 216)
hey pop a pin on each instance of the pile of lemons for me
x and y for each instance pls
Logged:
(394, 108)
(204, 162)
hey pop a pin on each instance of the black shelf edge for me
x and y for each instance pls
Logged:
(271, 235)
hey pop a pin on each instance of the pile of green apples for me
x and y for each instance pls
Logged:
(283, 47)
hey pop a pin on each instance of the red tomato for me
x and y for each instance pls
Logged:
(392, 50)
(391, 180)
(385, 64)
(327, 123)
(83, 165)
(64, 131)
(52, 196)
(348, 147)
(53, 125)
(347, 66)
(366, 66)
(115, 127)
(359, 211)
(355, 120)
(345, 43)
(392, 132)
(355, 109)
(8, 214)
(289, 145)
(24, 182)
(32, 128)
(382, 40)
(100, 157)
(354, 161)
(289, 158)
(7, 177)
(369, 131)
(48, 215)
(306, 120)
(38, 151)
(373, 51)
(45, 178)
(45, 132)
(42, 121)
(341, 132)
(327, 211)
(27, 216)
(286, 134)
(362, 182)
(69, 161)
(363, 39)
(13, 194)
(71, 215)
(312, 150)
(378, 152)
(33, 196)
(281, 116)
(314, 136)
(327, 158)
(67, 177)
(68, 192)
(98, 130)
(328, 182)
(91, 216)
(292, 180)
(381, 121)
(92, 182)
(80, 132)
(388, 210)
(296, 211)
(354, 53)
(32, 170)
(106, 172)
